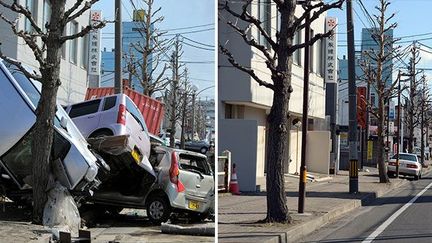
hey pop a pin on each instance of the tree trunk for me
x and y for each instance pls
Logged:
(279, 128)
(381, 153)
(45, 112)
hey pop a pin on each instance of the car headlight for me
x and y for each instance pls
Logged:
(91, 174)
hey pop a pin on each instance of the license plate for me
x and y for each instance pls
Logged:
(136, 156)
(193, 205)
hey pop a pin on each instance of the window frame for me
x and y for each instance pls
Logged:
(73, 48)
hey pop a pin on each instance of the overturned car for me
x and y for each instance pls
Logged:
(74, 165)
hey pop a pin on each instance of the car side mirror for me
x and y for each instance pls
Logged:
(63, 123)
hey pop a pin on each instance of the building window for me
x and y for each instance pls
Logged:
(311, 54)
(30, 4)
(63, 50)
(46, 13)
(297, 53)
(84, 52)
(319, 58)
(372, 97)
(229, 111)
(73, 43)
(264, 13)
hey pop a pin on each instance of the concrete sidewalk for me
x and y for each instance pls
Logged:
(326, 201)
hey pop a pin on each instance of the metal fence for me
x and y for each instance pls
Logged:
(224, 171)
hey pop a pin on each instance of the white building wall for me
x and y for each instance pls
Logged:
(73, 76)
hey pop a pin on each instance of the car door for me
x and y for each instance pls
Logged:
(196, 175)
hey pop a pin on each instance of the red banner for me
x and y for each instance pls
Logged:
(361, 107)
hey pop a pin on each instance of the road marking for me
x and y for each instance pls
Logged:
(384, 225)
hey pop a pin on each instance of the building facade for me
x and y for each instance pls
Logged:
(244, 105)
(74, 63)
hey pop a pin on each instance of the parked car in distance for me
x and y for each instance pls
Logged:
(165, 136)
(156, 141)
(417, 151)
(184, 184)
(197, 146)
(409, 165)
(113, 115)
(74, 165)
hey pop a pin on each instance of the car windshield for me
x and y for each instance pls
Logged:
(409, 157)
(136, 114)
(27, 86)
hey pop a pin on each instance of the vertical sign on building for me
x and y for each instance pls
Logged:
(94, 50)
(331, 51)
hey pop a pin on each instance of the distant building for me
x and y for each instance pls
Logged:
(132, 35)
(208, 107)
(74, 62)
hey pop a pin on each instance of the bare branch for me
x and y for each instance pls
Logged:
(249, 71)
(83, 32)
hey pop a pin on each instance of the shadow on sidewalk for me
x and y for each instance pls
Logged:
(13, 212)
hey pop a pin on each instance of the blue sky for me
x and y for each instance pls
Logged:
(178, 14)
(413, 18)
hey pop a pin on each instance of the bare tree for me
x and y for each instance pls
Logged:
(152, 50)
(277, 53)
(426, 118)
(413, 120)
(174, 104)
(45, 41)
(379, 73)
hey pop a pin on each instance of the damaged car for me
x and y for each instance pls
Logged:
(74, 165)
(183, 183)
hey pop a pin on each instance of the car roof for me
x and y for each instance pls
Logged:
(181, 151)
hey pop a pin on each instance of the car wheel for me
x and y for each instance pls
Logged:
(203, 150)
(416, 177)
(158, 209)
(101, 133)
(391, 174)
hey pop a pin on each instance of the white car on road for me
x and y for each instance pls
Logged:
(409, 164)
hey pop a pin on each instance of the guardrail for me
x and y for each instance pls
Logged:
(224, 171)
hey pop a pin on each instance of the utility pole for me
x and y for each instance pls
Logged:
(399, 125)
(174, 90)
(303, 169)
(193, 115)
(413, 90)
(368, 109)
(183, 124)
(353, 155)
(423, 101)
(118, 89)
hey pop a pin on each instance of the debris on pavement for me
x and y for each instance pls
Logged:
(61, 212)
(207, 229)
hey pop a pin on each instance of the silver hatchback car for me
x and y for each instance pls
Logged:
(184, 183)
(75, 166)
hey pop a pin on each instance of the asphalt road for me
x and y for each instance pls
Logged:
(403, 215)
